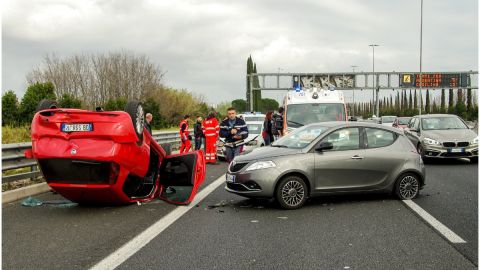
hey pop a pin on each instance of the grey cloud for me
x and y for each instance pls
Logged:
(203, 45)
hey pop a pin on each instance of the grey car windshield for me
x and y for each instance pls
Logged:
(403, 121)
(388, 119)
(304, 114)
(440, 123)
(254, 128)
(300, 138)
(253, 118)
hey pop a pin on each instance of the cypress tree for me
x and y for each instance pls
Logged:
(460, 108)
(427, 103)
(397, 104)
(410, 101)
(442, 102)
(451, 108)
(469, 100)
(249, 71)
(434, 106)
(257, 94)
(415, 102)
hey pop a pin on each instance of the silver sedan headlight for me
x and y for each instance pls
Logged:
(430, 141)
(474, 141)
(261, 165)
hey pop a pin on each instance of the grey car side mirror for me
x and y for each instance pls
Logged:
(324, 146)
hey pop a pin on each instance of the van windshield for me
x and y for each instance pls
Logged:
(304, 114)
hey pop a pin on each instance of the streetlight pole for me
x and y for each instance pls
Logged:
(373, 63)
(421, 75)
(353, 70)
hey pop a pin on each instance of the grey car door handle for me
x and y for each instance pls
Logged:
(357, 157)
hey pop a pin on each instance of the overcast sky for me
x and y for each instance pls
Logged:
(203, 45)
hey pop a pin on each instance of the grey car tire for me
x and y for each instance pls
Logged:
(421, 151)
(291, 192)
(407, 186)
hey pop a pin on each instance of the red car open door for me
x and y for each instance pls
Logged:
(180, 177)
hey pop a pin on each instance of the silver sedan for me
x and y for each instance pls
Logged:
(328, 158)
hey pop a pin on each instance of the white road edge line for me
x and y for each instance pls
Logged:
(446, 232)
(141, 240)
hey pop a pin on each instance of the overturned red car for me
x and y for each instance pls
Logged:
(108, 157)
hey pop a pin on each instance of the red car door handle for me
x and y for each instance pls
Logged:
(357, 157)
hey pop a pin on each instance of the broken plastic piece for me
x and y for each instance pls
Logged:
(31, 202)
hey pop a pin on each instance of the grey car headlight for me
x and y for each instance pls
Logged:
(430, 141)
(261, 165)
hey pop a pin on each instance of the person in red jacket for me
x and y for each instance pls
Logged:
(211, 130)
(185, 135)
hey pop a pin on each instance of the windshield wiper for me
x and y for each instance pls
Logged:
(279, 145)
(290, 121)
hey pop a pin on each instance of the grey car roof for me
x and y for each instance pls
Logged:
(340, 124)
(435, 115)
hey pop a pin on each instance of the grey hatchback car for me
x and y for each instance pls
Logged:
(329, 158)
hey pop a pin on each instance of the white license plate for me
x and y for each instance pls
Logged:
(457, 150)
(76, 127)
(230, 178)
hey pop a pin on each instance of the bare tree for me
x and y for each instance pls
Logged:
(96, 78)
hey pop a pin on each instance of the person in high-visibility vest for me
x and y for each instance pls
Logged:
(185, 135)
(211, 131)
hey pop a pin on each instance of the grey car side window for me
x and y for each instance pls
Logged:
(344, 139)
(379, 137)
(416, 125)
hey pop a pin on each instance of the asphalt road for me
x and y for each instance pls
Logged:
(346, 232)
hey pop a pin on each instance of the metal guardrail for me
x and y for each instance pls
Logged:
(13, 157)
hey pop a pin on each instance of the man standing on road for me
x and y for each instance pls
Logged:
(211, 130)
(235, 131)
(185, 135)
(198, 133)
(148, 120)
(277, 124)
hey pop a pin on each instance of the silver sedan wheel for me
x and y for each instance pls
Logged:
(408, 187)
(293, 193)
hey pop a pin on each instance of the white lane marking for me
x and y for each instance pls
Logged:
(141, 240)
(446, 232)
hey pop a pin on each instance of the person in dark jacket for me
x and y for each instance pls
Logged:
(235, 131)
(267, 133)
(148, 120)
(277, 124)
(198, 133)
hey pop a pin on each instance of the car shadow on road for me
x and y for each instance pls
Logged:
(438, 161)
(321, 201)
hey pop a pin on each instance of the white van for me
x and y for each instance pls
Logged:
(303, 107)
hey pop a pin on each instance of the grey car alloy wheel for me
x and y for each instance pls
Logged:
(291, 192)
(407, 187)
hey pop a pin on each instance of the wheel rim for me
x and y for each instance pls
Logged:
(140, 118)
(408, 187)
(293, 193)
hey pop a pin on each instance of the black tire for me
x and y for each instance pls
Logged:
(291, 192)
(46, 104)
(421, 151)
(135, 110)
(407, 186)
(167, 147)
(474, 160)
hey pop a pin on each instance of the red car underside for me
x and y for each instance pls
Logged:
(109, 164)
